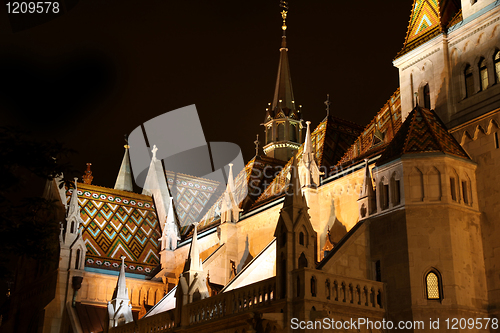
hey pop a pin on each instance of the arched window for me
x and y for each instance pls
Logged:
(302, 260)
(72, 229)
(281, 131)
(396, 189)
(313, 286)
(427, 97)
(483, 74)
(453, 188)
(433, 285)
(269, 134)
(301, 238)
(77, 259)
(496, 61)
(469, 81)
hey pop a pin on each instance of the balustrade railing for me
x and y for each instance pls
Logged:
(238, 300)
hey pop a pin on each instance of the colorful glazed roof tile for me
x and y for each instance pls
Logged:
(117, 223)
(422, 132)
(377, 134)
(193, 197)
(256, 176)
(428, 19)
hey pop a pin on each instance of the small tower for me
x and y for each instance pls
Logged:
(193, 281)
(296, 238)
(119, 308)
(367, 201)
(282, 120)
(124, 179)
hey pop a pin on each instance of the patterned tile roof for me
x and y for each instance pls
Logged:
(193, 197)
(377, 134)
(117, 223)
(421, 132)
(428, 19)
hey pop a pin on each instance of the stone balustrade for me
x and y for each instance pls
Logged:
(342, 290)
(238, 300)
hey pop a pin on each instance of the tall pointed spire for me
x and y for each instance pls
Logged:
(119, 308)
(283, 92)
(230, 211)
(193, 262)
(124, 179)
(282, 121)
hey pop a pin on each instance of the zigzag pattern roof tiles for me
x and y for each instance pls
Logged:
(117, 223)
(422, 132)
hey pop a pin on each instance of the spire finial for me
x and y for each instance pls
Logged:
(327, 103)
(284, 13)
(154, 150)
(257, 145)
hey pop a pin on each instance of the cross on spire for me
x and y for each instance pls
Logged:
(154, 150)
(327, 103)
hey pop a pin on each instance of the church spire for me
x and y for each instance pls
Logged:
(282, 121)
(283, 92)
(124, 179)
(193, 262)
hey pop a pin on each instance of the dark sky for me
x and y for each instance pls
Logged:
(103, 67)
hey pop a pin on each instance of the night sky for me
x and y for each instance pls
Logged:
(101, 68)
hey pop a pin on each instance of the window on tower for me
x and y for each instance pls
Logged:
(469, 81)
(269, 134)
(483, 74)
(427, 97)
(281, 131)
(433, 285)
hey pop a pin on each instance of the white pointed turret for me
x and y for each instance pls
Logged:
(230, 211)
(119, 308)
(124, 179)
(308, 169)
(193, 281)
(170, 234)
(156, 186)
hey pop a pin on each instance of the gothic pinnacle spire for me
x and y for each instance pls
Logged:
(283, 94)
(124, 179)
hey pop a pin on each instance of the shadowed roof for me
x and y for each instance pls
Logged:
(422, 132)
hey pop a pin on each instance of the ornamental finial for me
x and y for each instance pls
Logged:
(284, 13)
(327, 103)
